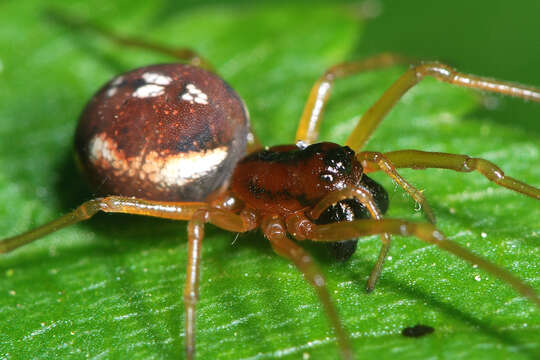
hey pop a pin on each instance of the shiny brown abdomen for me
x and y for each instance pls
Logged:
(164, 132)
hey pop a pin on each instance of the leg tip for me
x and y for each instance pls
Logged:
(190, 353)
(370, 287)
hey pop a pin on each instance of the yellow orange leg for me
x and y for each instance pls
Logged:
(365, 198)
(372, 117)
(372, 161)
(127, 205)
(220, 218)
(191, 287)
(197, 213)
(117, 204)
(416, 159)
(185, 54)
(423, 231)
(308, 128)
(274, 230)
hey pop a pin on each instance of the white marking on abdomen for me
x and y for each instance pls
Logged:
(148, 90)
(194, 94)
(155, 78)
(163, 170)
(154, 85)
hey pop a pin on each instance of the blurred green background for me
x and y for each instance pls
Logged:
(111, 288)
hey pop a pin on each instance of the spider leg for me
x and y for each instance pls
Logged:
(423, 231)
(422, 159)
(308, 128)
(370, 159)
(185, 54)
(274, 230)
(191, 287)
(229, 221)
(197, 213)
(127, 205)
(366, 199)
(374, 115)
(118, 204)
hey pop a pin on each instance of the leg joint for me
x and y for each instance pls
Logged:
(440, 71)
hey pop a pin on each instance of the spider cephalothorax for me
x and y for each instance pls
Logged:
(284, 179)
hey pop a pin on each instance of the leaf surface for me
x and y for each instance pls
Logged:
(112, 287)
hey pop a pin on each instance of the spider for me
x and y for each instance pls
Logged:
(209, 167)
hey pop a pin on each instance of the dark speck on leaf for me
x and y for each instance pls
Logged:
(417, 331)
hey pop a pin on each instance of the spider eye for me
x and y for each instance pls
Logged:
(339, 160)
(329, 178)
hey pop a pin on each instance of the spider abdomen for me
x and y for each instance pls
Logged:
(164, 132)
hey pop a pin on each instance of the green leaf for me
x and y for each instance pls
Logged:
(112, 287)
